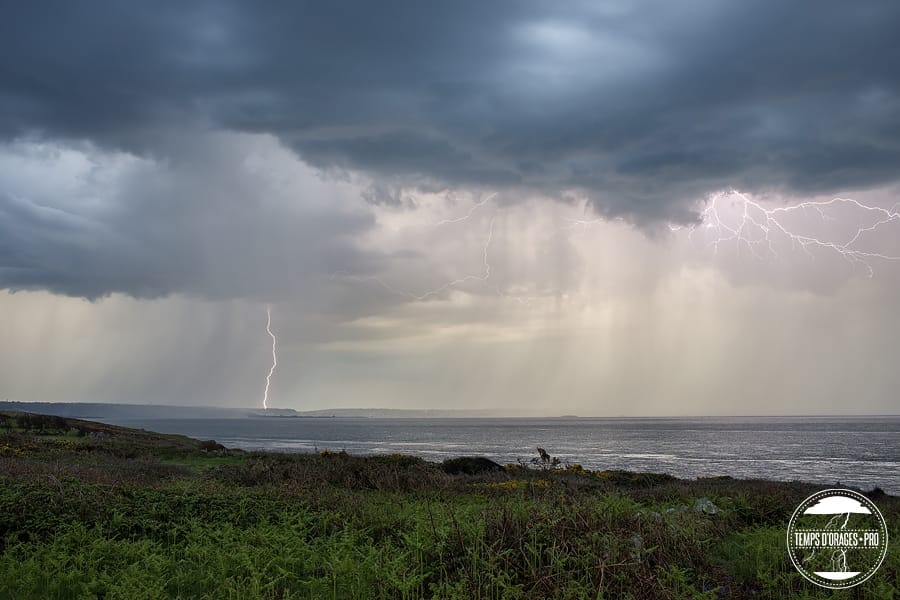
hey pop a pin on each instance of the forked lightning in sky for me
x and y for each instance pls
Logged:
(756, 227)
(472, 210)
(759, 229)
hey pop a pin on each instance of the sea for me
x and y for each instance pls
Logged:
(862, 452)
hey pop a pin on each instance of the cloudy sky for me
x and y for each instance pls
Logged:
(600, 208)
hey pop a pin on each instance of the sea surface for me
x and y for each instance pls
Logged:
(859, 451)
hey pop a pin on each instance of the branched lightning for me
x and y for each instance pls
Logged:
(582, 223)
(274, 358)
(758, 228)
(466, 216)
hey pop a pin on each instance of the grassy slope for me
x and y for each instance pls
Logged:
(90, 510)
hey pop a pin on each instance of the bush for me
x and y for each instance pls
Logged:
(470, 465)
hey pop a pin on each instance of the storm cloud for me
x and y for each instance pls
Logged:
(222, 216)
(642, 108)
(453, 204)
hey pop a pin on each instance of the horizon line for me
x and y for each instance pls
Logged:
(498, 413)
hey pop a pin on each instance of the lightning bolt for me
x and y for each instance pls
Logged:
(582, 223)
(265, 401)
(471, 212)
(759, 229)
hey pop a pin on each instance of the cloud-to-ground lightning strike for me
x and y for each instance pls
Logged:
(757, 227)
(274, 358)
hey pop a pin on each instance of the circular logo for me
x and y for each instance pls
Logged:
(837, 538)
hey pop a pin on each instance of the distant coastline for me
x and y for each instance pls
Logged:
(100, 410)
(97, 410)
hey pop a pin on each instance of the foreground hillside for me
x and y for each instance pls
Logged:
(90, 510)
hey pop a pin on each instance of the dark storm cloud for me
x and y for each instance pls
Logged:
(208, 221)
(641, 105)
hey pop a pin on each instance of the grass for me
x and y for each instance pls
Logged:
(89, 510)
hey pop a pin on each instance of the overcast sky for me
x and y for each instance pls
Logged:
(599, 208)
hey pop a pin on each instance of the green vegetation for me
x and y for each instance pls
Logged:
(89, 510)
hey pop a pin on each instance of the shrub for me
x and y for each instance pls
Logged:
(470, 465)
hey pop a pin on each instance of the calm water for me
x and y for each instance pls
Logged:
(858, 451)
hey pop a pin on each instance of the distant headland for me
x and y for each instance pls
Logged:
(98, 410)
